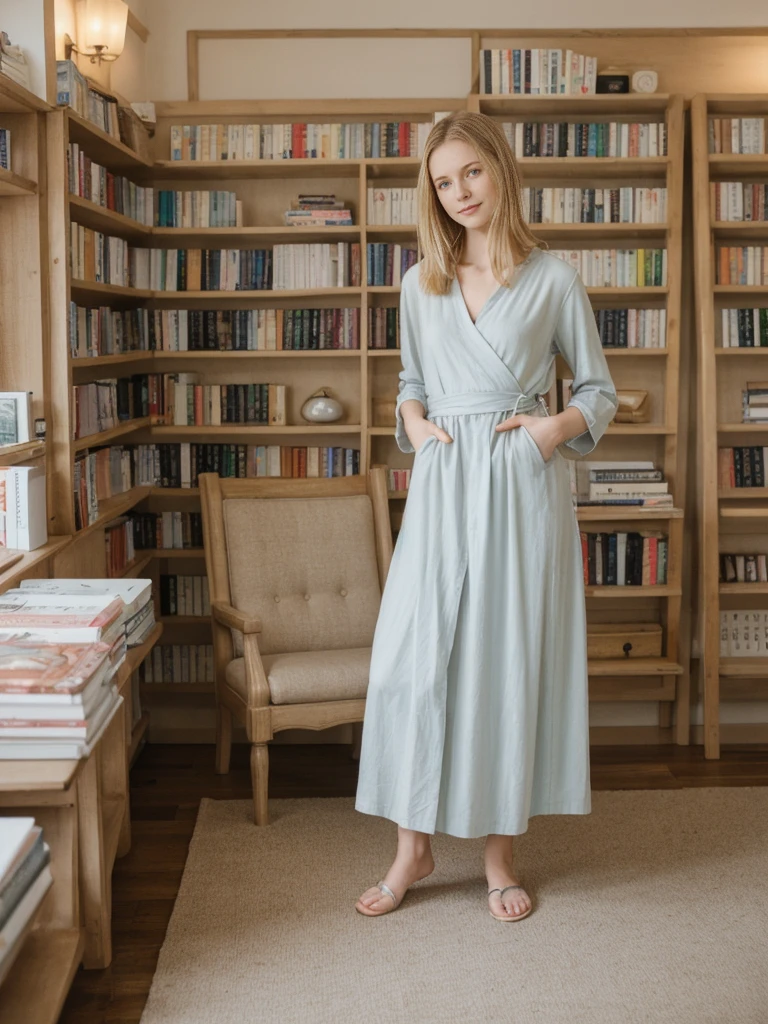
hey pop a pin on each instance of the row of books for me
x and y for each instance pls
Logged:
(198, 209)
(625, 205)
(537, 72)
(178, 663)
(105, 331)
(742, 264)
(754, 402)
(738, 200)
(744, 633)
(387, 262)
(296, 140)
(624, 558)
(745, 135)
(115, 192)
(5, 148)
(742, 466)
(184, 595)
(98, 475)
(103, 404)
(119, 546)
(743, 568)
(23, 508)
(25, 878)
(104, 259)
(72, 90)
(178, 464)
(623, 139)
(632, 328)
(398, 479)
(61, 642)
(744, 328)
(617, 268)
(170, 530)
(185, 402)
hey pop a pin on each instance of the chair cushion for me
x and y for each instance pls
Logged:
(307, 676)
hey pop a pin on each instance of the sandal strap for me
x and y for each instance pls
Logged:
(387, 891)
(502, 891)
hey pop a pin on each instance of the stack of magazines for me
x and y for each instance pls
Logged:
(25, 877)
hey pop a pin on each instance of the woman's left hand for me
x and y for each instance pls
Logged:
(543, 429)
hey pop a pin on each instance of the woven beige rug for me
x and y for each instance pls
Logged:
(653, 908)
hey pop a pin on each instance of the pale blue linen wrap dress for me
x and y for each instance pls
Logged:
(477, 708)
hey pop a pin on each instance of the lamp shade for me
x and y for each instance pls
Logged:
(101, 26)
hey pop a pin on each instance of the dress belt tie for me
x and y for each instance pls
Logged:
(468, 403)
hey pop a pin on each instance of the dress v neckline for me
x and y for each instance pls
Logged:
(491, 298)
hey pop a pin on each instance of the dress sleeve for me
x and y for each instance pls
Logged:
(411, 377)
(593, 391)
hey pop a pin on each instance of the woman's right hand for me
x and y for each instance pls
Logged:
(419, 428)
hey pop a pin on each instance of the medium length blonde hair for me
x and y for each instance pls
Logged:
(440, 238)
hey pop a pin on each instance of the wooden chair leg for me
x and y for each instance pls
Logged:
(357, 740)
(223, 739)
(260, 782)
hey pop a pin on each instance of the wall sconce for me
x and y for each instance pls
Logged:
(101, 28)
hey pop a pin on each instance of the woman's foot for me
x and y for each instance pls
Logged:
(406, 869)
(514, 904)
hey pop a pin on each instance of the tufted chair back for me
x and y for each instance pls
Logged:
(306, 567)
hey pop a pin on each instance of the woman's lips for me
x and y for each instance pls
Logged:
(469, 209)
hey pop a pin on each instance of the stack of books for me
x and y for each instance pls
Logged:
(318, 211)
(13, 62)
(754, 402)
(25, 877)
(138, 611)
(56, 699)
(621, 483)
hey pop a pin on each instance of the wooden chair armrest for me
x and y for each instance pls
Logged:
(229, 616)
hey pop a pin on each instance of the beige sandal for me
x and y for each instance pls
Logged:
(386, 892)
(509, 917)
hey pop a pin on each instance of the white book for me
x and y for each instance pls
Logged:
(57, 750)
(13, 835)
(22, 914)
(51, 617)
(23, 401)
(134, 592)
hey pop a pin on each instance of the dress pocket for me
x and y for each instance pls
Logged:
(537, 450)
(424, 443)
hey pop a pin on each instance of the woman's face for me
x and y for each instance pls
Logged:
(461, 181)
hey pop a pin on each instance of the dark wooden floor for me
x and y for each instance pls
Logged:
(168, 782)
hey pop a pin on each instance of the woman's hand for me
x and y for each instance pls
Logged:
(544, 430)
(419, 428)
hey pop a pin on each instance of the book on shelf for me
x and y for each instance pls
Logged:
(617, 268)
(744, 328)
(198, 209)
(171, 530)
(742, 466)
(624, 558)
(75, 91)
(178, 663)
(15, 418)
(387, 262)
(743, 568)
(630, 482)
(89, 180)
(632, 328)
(23, 516)
(5, 149)
(104, 404)
(396, 205)
(742, 264)
(742, 201)
(754, 402)
(186, 402)
(184, 595)
(356, 140)
(621, 205)
(317, 211)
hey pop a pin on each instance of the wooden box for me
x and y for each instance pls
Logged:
(607, 639)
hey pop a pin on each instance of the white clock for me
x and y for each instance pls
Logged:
(645, 81)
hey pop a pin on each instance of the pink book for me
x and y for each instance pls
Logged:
(49, 668)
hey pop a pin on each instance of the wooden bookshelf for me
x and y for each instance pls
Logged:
(732, 519)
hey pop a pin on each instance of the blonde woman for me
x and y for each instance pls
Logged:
(476, 716)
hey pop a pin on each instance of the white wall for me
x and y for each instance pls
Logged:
(23, 21)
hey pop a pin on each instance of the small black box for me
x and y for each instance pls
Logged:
(612, 83)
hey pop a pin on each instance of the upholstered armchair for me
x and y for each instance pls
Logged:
(295, 574)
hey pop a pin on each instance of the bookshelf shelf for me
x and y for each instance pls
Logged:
(727, 164)
(177, 553)
(546, 105)
(84, 362)
(172, 689)
(12, 454)
(105, 436)
(217, 170)
(634, 667)
(136, 567)
(90, 214)
(182, 298)
(741, 351)
(248, 430)
(596, 513)
(743, 588)
(257, 354)
(232, 238)
(41, 976)
(135, 655)
(31, 560)
(748, 230)
(612, 593)
(96, 293)
(104, 148)
(15, 185)
(115, 506)
(15, 99)
(744, 668)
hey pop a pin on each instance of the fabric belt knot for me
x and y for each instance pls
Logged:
(468, 403)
